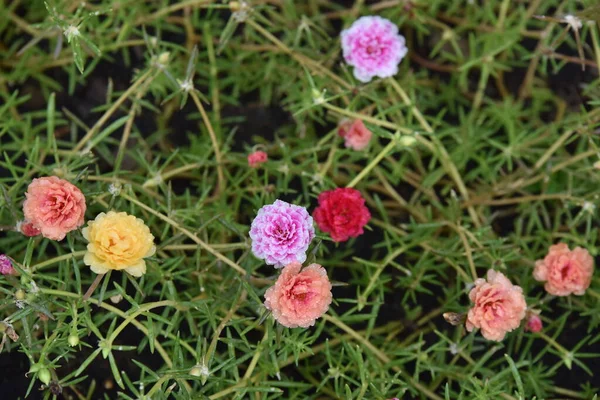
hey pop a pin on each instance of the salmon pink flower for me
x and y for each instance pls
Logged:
(257, 158)
(498, 306)
(299, 298)
(564, 271)
(118, 241)
(356, 135)
(54, 206)
(281, 233)
(373, 47)
(342, 213)
(6, 267)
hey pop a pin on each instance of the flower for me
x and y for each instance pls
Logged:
(356, 135)
(564, 271)
(499, 306)
(257, 158)
(373, 47)
(118, 241)
(281, 233)
(534, 323)
(298, 298)
(6, 267)
(54, 206)
(341, 213)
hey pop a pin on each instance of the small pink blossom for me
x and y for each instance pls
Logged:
(498, 306)
(373, 47)
(534, 323)
(299, 298)
(54, 206)
(356, 135)
(281, 233)
(257, 158)
(564, 271)
(6, 267)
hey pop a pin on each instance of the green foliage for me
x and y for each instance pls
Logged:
(485, 152)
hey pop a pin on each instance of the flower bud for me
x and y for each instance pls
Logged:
(534, 323)
(20, 295)
(44, 375)
(73, 340)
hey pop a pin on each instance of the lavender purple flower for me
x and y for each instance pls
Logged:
(281, 233)
(373, 47)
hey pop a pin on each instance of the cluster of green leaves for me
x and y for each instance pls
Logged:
(481, 158)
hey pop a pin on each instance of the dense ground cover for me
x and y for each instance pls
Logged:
(484, 153)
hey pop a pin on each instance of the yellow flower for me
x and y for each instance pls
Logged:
(118, 241)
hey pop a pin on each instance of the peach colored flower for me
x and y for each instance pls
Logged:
(118, 241)
(298, 298)
(498, 306)
(356, 135)
(564, 271)
(54, 206)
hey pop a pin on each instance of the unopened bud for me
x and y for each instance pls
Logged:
(44, 375)
(534, 323)
(73, 340)
(454, 319)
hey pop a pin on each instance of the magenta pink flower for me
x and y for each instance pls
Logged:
(257, 158)
(281, 233)
(373, 47)
(6, 267)
(498, 306)
(54, 206)
(356, 135)
(298, 299)
(564, 271)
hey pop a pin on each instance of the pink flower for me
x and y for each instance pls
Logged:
(257, 158)
(298, 299)
(373, 47)
(6, 267)
(281, 233)
(564, 271)
(54, 206)
(534, 323)
(498, 306)
(356, 135)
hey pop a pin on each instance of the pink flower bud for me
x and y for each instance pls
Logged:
(257, 158)
(534, 323)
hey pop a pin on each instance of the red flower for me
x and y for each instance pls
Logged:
(257, 158)
(341, 213)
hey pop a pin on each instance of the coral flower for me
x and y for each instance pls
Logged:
(564, 271)
(498, 306)
(54, 207)
(257, 158)
(373, 47)
(281, 233)
(341, 213)
(299, 298)
(6, 267)
(118, 241)
(356, 135)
